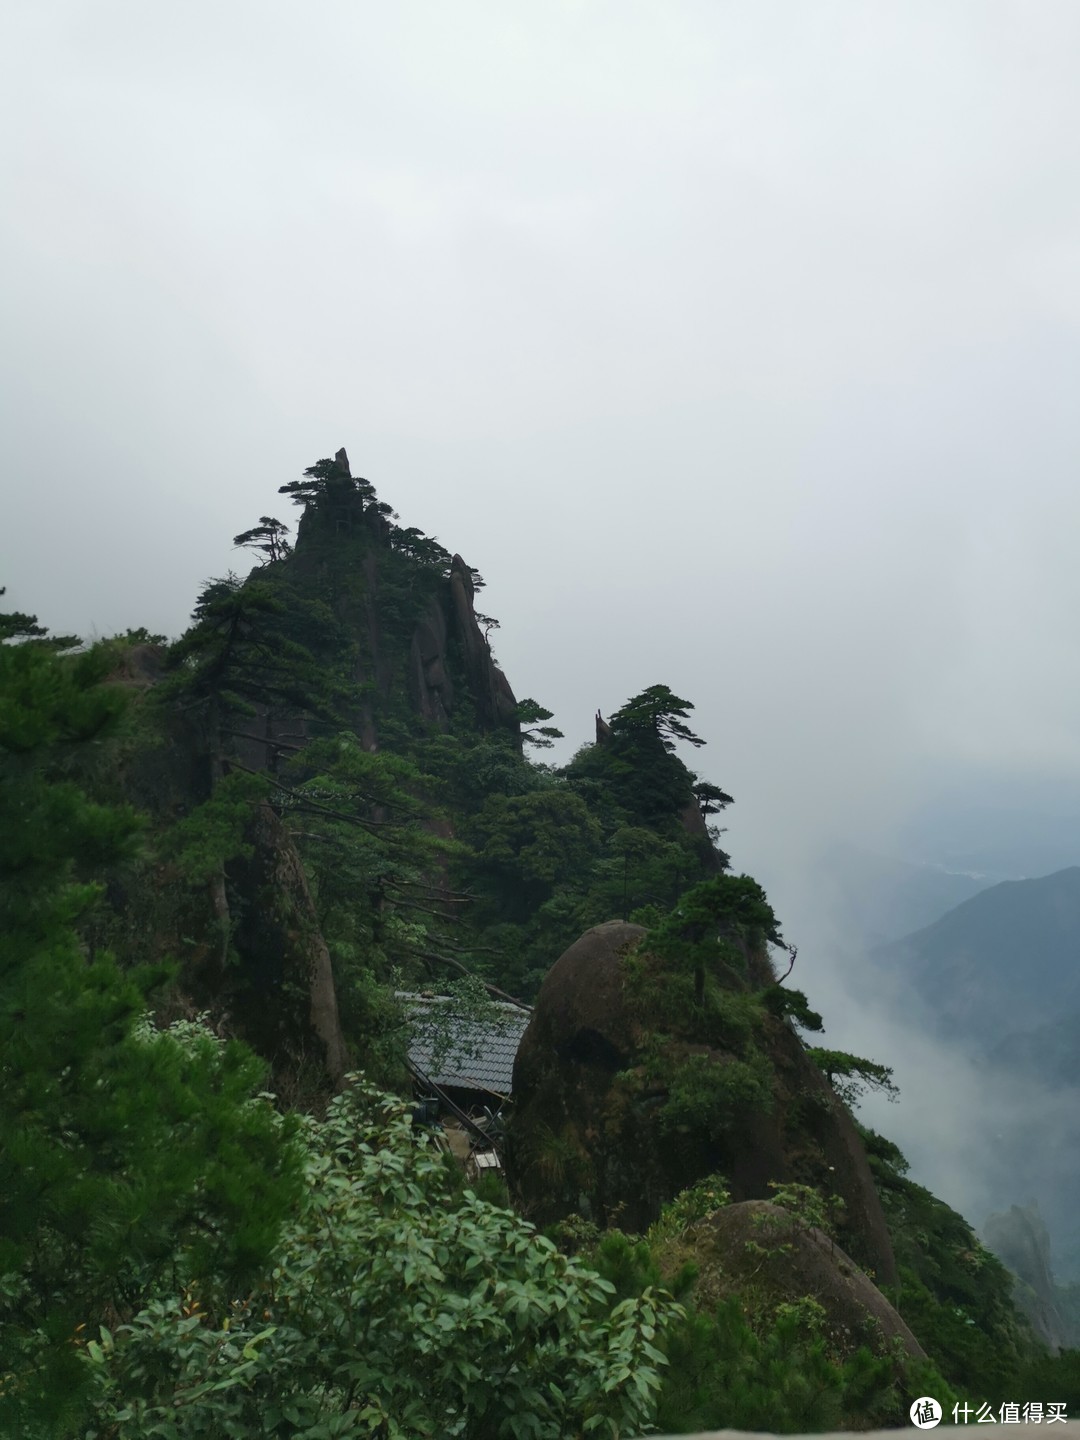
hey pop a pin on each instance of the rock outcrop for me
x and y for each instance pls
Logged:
(400, 624)
(757, 1247)
(278, 993)
(408, 606)
(694, 823)
(1020, 1240)
(594, 1083)
(494, 699)
(430, 686)
(448, 637)
(282, 999)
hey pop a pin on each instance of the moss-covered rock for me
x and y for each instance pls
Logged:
(774, 1262)
(628, 1091)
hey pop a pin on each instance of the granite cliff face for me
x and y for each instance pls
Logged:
(277, 989)
(595, 1129)
(391, 616)
(449, 625)
(407, 609)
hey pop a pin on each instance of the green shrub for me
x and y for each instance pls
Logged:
(691, 1205)
(125, 1156)
(393, 1308)
(708, 1096)
(780, 1378)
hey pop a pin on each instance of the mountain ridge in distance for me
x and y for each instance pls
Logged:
(876, 898)
(1001, 961)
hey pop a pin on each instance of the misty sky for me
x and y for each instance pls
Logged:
(735, 343)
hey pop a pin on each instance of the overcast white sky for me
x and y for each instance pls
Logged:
(735, 343)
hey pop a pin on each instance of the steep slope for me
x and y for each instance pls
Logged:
(1003, 961)
(628, 1092)
(388, 610)
(873, 899)
(1019, 1238)
(331, 767)
(346, 688)
(1048, 1054)
(999, 979)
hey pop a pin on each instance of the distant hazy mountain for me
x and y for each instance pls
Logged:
(995, 824)
(999, 976)
(876, 898)
(1005, 961)
(1050, 1053)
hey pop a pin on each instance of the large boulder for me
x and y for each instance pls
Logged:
(757, 1248)
(607, 1123)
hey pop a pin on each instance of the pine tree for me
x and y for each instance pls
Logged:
(267, 538)
(14, 625)
(329, 488)
(529, 712)
(239, 656)
(120, 1158)
(710, 798)
(637, 760)
(659, 712)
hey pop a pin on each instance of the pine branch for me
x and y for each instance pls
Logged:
(494, 990)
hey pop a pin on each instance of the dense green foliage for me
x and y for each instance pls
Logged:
(781, 1378)
(124, 1157)
(180, 1258)
(243, 651)
(955, 1295)
(689, 986)
(314, 647)
(851, 1076)
(750, 1362)
(708, 933)
(147, 1186)
(396, 1307)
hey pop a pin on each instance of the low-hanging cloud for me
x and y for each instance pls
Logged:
(736, 344)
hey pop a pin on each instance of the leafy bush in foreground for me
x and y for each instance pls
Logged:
(394, 1309)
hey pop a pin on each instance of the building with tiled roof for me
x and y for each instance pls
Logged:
(461, 1052)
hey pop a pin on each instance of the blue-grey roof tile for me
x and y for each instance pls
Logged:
(480, 1053)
